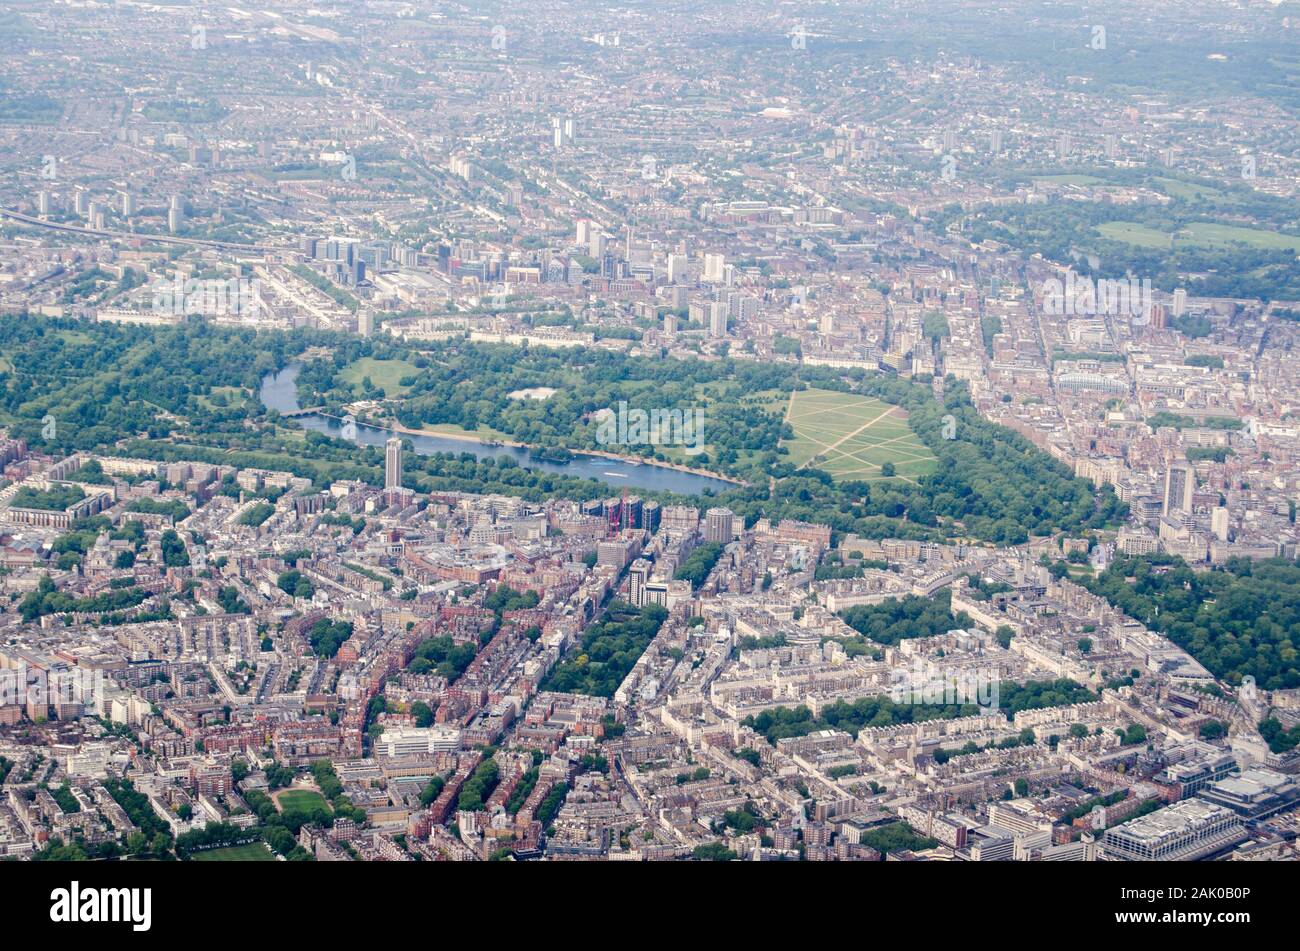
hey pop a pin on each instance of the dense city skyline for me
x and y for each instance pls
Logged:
(652, 432)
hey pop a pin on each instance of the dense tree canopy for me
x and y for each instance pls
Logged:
(190, 392)
(608, 651)
(894, 620)
(1240, 620)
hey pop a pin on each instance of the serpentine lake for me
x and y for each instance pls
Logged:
(279, 391)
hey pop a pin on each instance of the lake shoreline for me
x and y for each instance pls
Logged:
(278, 391)
(394, 427)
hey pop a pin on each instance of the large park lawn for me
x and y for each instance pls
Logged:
(385, 374)
(852, 436)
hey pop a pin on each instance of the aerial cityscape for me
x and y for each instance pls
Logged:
(651, 431)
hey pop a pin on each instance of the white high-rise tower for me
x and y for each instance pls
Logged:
(393, 464)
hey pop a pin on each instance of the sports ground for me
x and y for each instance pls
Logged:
(252, 852)
(299, 800)
(851, 437)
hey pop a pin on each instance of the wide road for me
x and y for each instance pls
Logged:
(161, 238)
